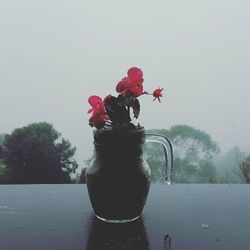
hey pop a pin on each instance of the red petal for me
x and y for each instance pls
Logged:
(122, 85)
(136, 89)
(90, 111)
(135, 74)
(94, 100)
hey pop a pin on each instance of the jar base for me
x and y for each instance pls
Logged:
(117, 221)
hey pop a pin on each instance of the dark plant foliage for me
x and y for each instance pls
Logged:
(118, 110)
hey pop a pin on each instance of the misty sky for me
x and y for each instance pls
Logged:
(55, 54)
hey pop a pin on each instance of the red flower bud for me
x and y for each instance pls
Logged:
(157, 94)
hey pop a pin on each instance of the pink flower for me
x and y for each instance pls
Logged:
(132, 84)
(94, 101)
(157, 94)
(99, 115)
(98, 118)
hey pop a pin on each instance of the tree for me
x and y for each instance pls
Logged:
(2, 167)
(82, 178)
(37, 154)
(228, 166)
(87, 163)
(193, 155)
(245, 168)
(2, 139)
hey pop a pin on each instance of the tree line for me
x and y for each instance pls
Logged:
(37, 153)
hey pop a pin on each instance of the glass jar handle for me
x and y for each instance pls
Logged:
(168, 152)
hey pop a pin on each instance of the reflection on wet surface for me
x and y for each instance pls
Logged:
(167, 242)
(176, 217)
(103, 235)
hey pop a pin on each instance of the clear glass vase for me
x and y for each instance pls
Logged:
(118, 181)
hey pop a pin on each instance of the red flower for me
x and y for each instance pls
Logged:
(157, 94)
(99, 115)
(94, 101)
(131, 84)
(98, 118)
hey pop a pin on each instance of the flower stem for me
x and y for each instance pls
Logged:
(129, 110)
(146, 93)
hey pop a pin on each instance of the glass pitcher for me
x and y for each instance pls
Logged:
(118, 180)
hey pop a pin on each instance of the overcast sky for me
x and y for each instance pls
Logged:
(54, 54)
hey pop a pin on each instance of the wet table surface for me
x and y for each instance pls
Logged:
(180, 216)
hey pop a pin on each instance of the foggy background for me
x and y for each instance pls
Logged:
(55, 54)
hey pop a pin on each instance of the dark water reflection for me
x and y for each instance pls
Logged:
(102, 235)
